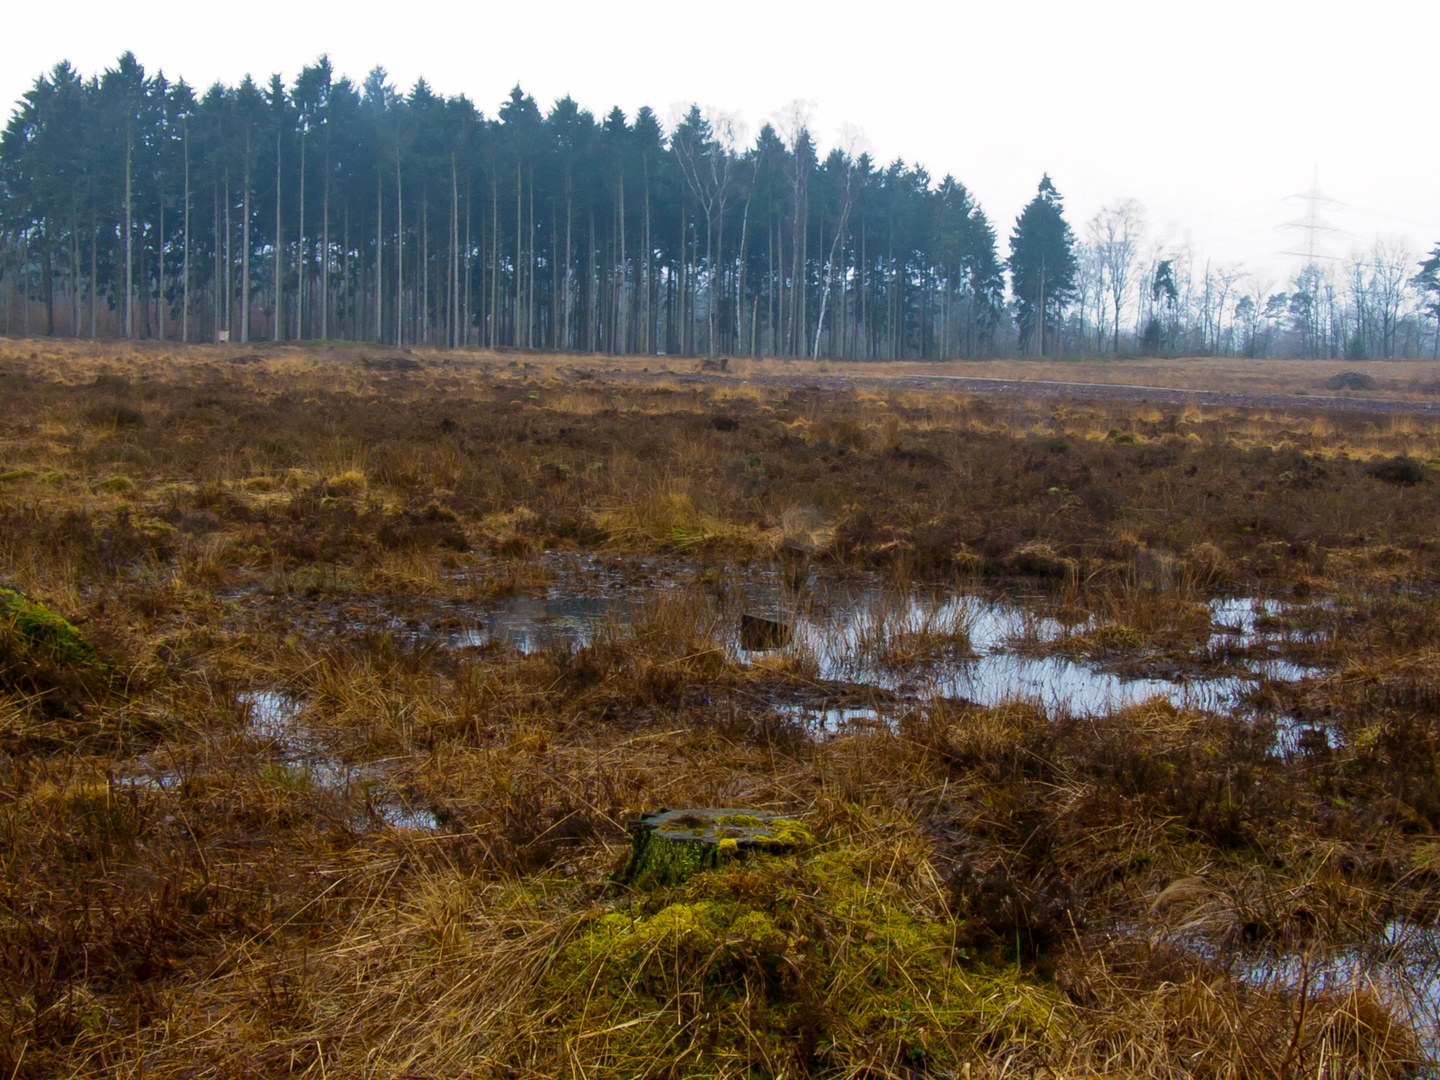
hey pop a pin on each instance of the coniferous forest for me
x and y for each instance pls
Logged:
(131, 206)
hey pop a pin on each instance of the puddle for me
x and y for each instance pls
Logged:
(859, 632)
(833, 719)
(984, 647)
(278, 718)
(964, 646)
(1402, 967)
(272, 715)
(534, 623)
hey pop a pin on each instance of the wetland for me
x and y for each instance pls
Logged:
(328, 689)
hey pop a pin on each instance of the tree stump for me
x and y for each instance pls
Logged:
(758, 634)
(669, 846)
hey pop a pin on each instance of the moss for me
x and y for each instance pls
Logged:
(34, 628)
(671, 846)
(819, 958)
(744, 821)
(659, 860)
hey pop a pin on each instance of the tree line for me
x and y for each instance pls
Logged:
(131, 206)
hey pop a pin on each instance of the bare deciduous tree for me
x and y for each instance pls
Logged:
(1116, 232)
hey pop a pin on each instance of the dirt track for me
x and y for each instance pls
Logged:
(1033, 388)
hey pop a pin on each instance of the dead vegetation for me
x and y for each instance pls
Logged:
(269, 830)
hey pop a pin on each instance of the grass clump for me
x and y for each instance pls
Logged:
(831, 962)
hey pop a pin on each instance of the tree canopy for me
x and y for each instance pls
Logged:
(132, 206)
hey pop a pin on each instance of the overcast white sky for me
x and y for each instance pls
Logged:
(1208, 113)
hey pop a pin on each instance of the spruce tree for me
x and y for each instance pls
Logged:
(1042, 266)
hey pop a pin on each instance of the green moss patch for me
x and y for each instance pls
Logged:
(31, 629)
(814, 964)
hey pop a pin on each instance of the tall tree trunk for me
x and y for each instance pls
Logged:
(424, 335)
(300, 248)
(647, 320)
(216, 297)
(160, 276)
(245, 258)
(569, 340)
(49, 290)
(229, 264)
(490, 319)
(94, 238)
(519, 244)
(399, 253)
(129, 243)
(453, 337)
(185, 289)
(74, 275)
(379, 293)
(325, 244)
(621, 306)
(739, 328)
(279, 319)
(530, 268)
(468, 297)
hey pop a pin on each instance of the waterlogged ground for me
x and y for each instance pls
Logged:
(391, 660)
(856, 651)
(852, 638)
(984, 646)
(1400, 966)
(278, 724)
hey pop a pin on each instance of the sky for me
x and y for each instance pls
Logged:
(1210, 114)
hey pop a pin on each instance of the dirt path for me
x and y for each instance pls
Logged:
(1048, 388)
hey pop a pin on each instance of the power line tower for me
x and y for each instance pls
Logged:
(1312, 228)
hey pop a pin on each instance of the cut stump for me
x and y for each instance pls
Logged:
(669, 846)
(758, 634)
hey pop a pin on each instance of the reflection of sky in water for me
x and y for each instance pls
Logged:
(279, 718)
(1402, 967)
(847, 630)
(852, 633)
(533, 623)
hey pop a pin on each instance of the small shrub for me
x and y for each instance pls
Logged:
(1398, 470)
(1351, 380)
(114, 415)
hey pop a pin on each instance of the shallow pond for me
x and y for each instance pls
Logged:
(985, 647)
(1401, 967)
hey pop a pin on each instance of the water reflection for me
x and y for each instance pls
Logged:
(952, 645)
(279, 718)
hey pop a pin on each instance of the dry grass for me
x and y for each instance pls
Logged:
(410, 875)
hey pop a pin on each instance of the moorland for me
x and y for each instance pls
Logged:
(331, 676)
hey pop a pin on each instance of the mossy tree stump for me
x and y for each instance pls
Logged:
(669, 846)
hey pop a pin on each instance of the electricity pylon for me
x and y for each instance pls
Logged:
(1312, 227)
